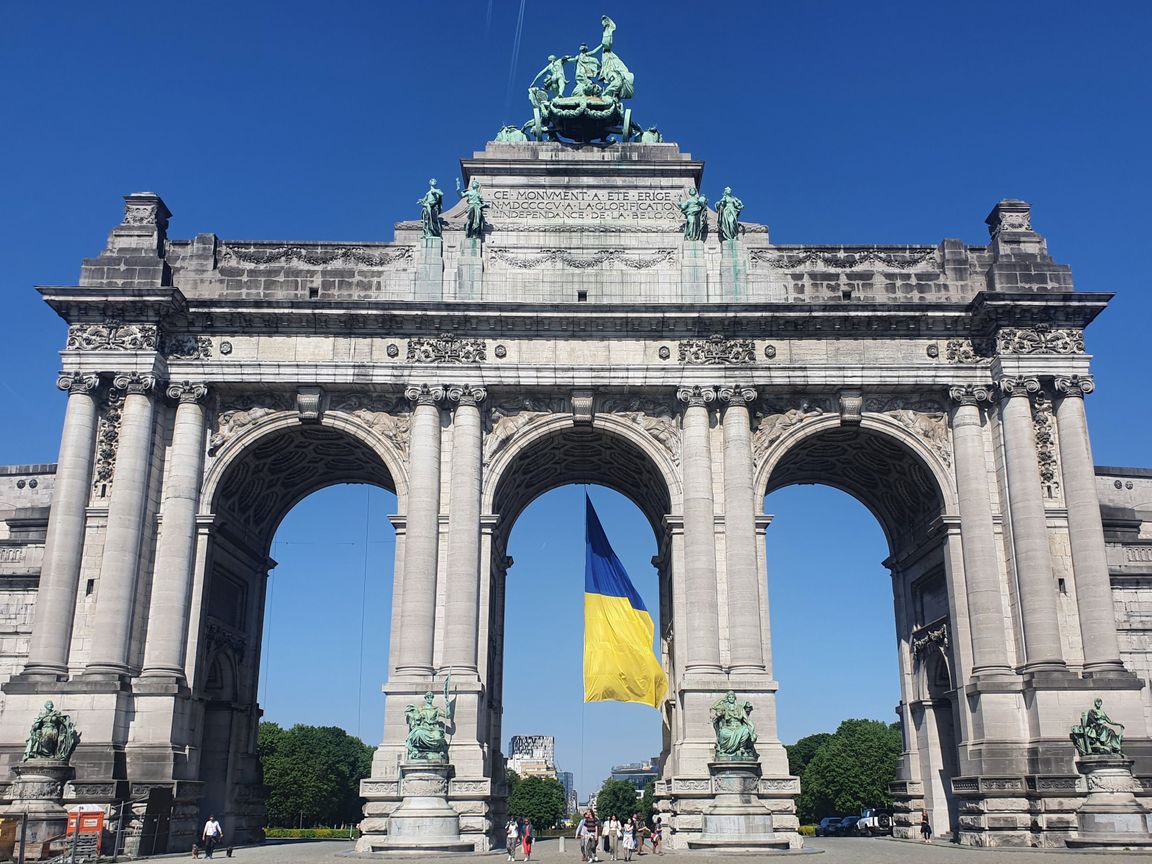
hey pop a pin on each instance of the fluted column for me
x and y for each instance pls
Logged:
(745, 640)
(462, 603)
(977, 535)
(703, 635)
(422, 538)
(64, 541)
(1038, 608)
(120, 562)
(176, 547)
(1085, 529)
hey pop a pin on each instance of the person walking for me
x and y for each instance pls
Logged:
(629, 839)
(657, 834)
(925, 827)
(212, 835)
(612, 833)
(588, 833)
(511, 837)
(527, 839)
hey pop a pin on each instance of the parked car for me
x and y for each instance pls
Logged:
(847, 827)
(874, 822)
(824, 828)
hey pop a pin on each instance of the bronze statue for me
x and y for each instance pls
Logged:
(52, 736)
(735, 734)
(1096, 733)
(474, 222)
(695, 210)
(426, 724)
(430, 207)
(728, 215)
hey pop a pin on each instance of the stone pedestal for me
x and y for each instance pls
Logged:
(470, 270)
(430, 269)
(38, 793)
(693, 272)
(424, 822)
(736, 819)
(1111, 816)
(733, 270)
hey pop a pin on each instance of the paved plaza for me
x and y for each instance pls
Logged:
(833, 850)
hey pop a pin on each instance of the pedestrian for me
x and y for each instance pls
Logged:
(925, 827)
(212, 835)
(657, 834)
(511, 837)
(588, 835)
(643, 831)
(629, 839)
(527, 839)
(612, 835)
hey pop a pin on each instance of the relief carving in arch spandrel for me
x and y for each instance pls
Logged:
(237, 414)
(389, 415)
(657, 417)
(773, 420)
(509, 415)
(925, 418)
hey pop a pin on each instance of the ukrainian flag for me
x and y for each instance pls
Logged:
(619, 664)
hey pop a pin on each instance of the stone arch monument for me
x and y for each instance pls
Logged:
(573, 330)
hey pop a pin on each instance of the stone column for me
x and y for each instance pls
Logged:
(176, 547)
(703, 636)
(1086, 532)
(745, 638)
(422, 536)
(115, 594)
(1038, 609)
(977, 535)
(64, 542)
(461, 615)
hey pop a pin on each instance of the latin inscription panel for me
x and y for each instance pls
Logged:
(588, 205)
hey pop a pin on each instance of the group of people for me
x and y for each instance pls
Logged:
(519, 833)
(619, 838)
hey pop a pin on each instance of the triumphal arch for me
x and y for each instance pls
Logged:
(580, 314)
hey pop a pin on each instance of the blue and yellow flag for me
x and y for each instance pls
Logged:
(619, 664)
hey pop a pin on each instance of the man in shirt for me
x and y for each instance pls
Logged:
(212, 836)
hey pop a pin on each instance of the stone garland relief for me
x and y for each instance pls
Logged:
(234, 416)
(656, 417)
(583, 262)
(107, 439)
(925, 418)
(773, 420)
(447, 348)
(112, 335)
(1045, 427)
(506, 417)
(316, 257)
(871, 258)
(388, 415)
(716, 350)
(1041, 339)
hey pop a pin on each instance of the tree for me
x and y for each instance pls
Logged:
(313, 774)
(511, 780)
(617, 798)
(540, 799)
(851, 770)
(648, 801)
(801, 753)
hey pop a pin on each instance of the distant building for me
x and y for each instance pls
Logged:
(568, 781)
(532, 755)
(639, 774)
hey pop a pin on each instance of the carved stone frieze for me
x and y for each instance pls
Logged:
(1074, 385)
(773, 420)
(447, 348)
(78, 382)
(315, 257)
(717, 351)
(112, 335)
(1099, 781)
(380, 788)
(1044, 425)
(107, 441)
(655, 416)
(567, 258)
(903, 259)
(967, 350)
(187, 346)
(507, 416)
(237, 415)
(925, 637)
(386, 414)
(222, 637)
(926, 418)
(1041, 339)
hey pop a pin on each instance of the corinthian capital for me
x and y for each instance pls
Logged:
(424, 394)
(970, 394)
(135, 383)
(186, 391)
(736, 395)
(78, 382)
(1019, 385)
(469, 395)
(696, 396)
(1074, 385)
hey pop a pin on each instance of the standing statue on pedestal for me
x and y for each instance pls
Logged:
(52, 736)
(426, 724)
(695, 210)
(735, 734)
(430, 207)
(1096, 733)
(728, 215)
(475, 222)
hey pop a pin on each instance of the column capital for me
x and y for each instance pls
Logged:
(136, 383)
(696, 396)
(424, 394)
(734, 394)
(469, 395)
(970, 394)
(1074, 385)
(1018, 385)
(78, 382)
(187, 391)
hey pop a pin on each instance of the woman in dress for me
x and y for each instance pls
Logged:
(629, 839)
(528, 839)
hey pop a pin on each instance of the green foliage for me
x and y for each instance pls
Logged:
(512, 780)
(313, 774)
(349, 833)
(801, 753)
(617, 798)
(807, 830)
(540, 799)
(851, 770)
(648, 801)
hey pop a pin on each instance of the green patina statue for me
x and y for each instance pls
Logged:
(1098, 733)
(735, 734)
(651, 135)
(510, 135)
(52, 736)
(728, 215)
(426, 741)
(695, 210)
(430, 207)
(474, 222)
(553, 81)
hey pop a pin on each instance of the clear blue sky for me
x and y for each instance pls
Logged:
(835, 122)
